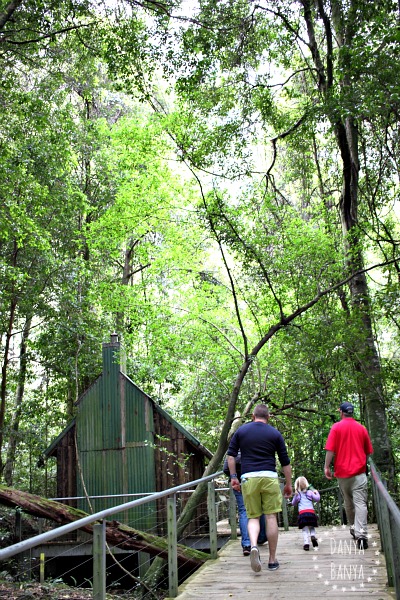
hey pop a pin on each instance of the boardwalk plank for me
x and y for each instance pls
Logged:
(335, 570)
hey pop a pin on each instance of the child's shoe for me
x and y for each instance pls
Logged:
(314, 541)
(306, 547)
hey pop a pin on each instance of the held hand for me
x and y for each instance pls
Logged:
(328, 473)
(287, 490)
(235, 483)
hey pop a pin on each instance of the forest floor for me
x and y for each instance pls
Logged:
(12, 587)
(48, 591)
(36, 591)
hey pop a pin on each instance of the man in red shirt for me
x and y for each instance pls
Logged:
(348, 441)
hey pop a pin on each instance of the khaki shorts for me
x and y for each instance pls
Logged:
(261, 495)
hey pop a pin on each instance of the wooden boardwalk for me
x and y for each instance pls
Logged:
(335, 570)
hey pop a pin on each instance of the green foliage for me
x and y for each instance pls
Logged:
(102, 226)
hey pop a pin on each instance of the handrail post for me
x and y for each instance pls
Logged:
(212, 517)
(386, 534)
(41, 568)
(232, 514)
(172, 548)
(388, 515)
(395, 554)
(99, 561)
(382, 517)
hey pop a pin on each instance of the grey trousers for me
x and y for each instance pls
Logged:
(355, 495)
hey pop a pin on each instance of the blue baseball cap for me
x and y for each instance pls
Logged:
(347, 408)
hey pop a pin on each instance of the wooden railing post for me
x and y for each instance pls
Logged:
(41, 568)
(232, 514)
(212, 517)
(388, 517)
(99, 561)
(172, 548)
(383, 520)
(395, 543)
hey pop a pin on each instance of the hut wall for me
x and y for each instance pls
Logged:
(115, 441)
(176, 462)
(66, 468)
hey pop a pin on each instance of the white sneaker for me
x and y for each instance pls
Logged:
(255, 561)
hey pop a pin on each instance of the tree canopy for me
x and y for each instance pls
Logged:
(217, 183)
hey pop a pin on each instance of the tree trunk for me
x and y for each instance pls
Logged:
(128, 271)
(117, 534)
(13, 439)
(4, 373)
(6, 357)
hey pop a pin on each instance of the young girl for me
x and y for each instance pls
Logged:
(307, 521)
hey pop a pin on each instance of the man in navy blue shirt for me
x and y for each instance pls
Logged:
(259, 443)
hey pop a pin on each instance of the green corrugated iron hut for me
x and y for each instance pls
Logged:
(122, 442)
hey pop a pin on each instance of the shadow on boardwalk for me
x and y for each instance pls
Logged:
(336, 569)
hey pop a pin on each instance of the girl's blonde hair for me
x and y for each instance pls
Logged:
(301, 484)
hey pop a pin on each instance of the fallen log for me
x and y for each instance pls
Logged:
(117, 534)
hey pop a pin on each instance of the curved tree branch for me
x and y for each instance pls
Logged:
(5, 39)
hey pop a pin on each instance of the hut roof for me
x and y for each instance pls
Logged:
(50, 451)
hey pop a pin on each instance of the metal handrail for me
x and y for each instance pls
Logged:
(51, 535)
(388, 519)
(99, 534)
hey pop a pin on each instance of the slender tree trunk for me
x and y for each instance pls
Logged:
(13, 439)
(70, 402)
(6, 358)
(128, 271)
(125, 280)
(4, 374)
